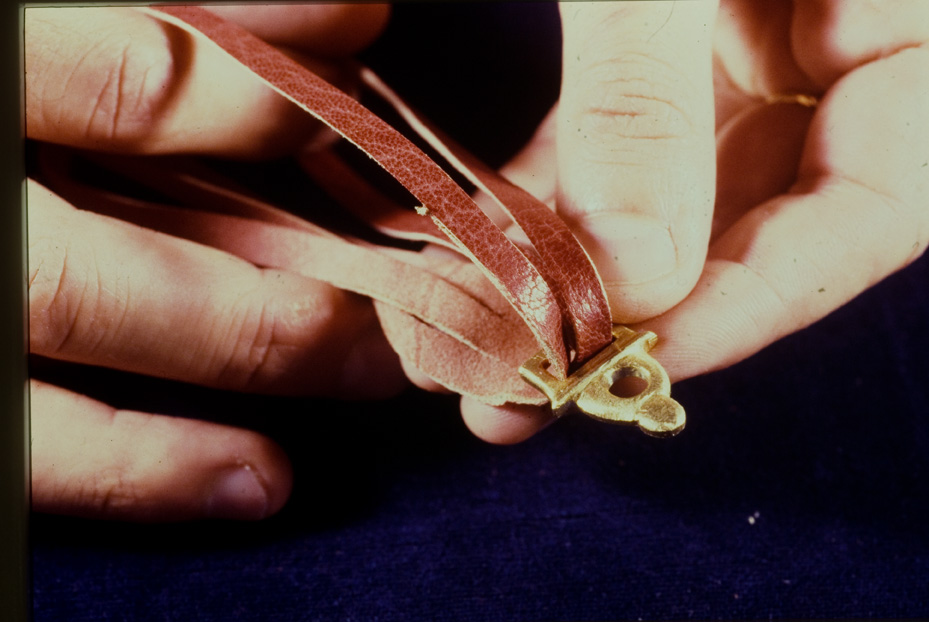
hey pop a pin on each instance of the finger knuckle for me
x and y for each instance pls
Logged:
(108, 493)
(58, 290)
(633, 98)
(104, 492)
(273, 335)
(256, 349)
(132, 82)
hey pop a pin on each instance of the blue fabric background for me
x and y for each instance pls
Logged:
(798, 490)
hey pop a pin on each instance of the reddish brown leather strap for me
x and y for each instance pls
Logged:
(562, 308)
(564, 261)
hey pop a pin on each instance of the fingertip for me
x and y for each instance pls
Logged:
(280, 478)
(274, 471)
(323, 29)
(644, 268)
(372, 370)
(501, 425)
(420, 379)
(630, 249)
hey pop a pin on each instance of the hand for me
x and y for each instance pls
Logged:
(813, 205)
(107, 293)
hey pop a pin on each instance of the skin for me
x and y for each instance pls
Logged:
(104, 292)
(718, 220)
(812, 205)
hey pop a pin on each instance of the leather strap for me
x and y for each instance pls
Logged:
(558, 296)
(564, 261)
(440, 314)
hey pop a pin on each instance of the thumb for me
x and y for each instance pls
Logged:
(636, 148)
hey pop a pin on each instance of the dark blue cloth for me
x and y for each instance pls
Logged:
(798, 489)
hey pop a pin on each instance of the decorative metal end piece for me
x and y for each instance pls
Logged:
(590, 387)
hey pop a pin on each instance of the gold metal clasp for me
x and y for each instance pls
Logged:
(590, 388)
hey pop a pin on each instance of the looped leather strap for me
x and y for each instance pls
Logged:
(558, 295)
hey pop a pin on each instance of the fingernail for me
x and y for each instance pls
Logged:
(627, 249)
(238, 494)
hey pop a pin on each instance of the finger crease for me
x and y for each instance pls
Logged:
(783, 304)
(261, 345)
(120, 97)
(61, 299)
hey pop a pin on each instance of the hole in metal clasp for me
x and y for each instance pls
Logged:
(622, 383)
